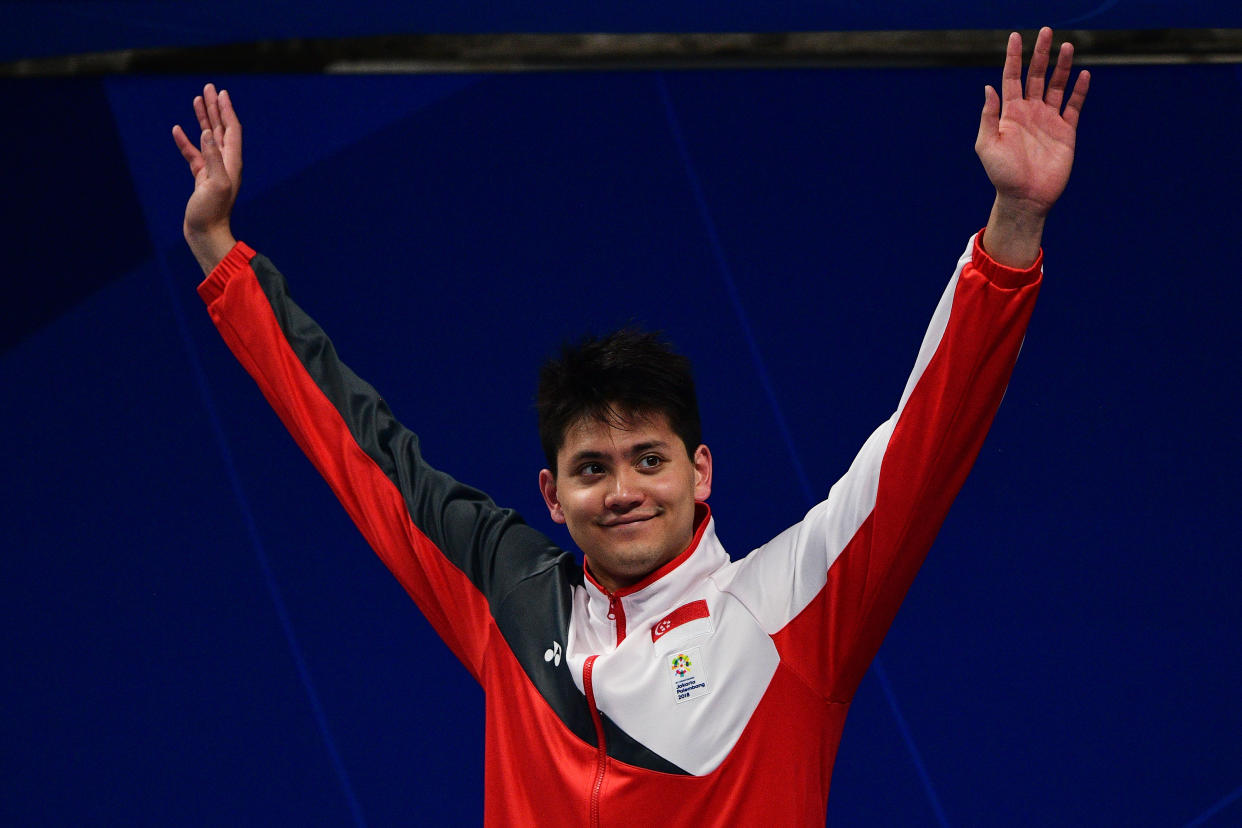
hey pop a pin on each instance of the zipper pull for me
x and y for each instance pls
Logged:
(616, 614)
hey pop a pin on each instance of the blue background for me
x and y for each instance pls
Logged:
(195, 634)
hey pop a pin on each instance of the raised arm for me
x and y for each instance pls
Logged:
(216, 168)
(458, 555)
(828, 588)
(1026, 144)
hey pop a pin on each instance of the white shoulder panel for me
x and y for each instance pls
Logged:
(689, 695)
(805, 552)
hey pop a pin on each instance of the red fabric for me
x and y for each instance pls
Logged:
(456, 610)
(929, 454)
(682, 615)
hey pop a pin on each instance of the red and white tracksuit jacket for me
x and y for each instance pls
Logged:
(712, 693)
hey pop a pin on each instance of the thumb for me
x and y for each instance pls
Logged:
(211, 156)
(989, 119)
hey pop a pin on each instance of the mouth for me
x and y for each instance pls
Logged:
(628, 520)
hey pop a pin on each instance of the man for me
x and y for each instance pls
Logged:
(660, 681)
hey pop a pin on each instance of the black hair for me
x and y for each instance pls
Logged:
(614, 378)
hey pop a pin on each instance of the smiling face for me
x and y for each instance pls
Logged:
(626, 491)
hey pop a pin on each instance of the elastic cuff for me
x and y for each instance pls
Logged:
(236, 261)
(1002, 275)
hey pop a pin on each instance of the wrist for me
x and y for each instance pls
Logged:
(1014, 232)
(210, 246)
(1017, 209)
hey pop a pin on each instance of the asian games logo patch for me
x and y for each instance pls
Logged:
(689, 674)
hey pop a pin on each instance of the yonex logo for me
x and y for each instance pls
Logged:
(553, 654)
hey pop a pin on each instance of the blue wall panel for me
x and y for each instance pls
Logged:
(197, 635)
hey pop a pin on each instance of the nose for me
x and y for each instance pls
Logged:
(625, 493)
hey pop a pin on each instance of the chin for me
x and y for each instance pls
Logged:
(640, 565)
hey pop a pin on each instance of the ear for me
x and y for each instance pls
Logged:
(547, 485)
(702, 473)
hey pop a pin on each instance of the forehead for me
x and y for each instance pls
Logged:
(616, 435)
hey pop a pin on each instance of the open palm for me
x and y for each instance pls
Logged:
(1026, 142)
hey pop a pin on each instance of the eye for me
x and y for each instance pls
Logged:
(591, 469)
(650, 461)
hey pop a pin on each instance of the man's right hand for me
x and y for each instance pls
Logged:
(217, 176)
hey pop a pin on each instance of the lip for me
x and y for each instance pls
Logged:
(627, 521)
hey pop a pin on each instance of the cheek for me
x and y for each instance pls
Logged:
(577, 507)
(675, 488)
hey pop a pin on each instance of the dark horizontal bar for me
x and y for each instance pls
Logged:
(566, 52)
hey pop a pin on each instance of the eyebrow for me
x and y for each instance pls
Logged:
(637, 448)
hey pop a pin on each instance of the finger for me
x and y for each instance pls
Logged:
(1074, 108)
(1060, 76)
(200, 112)
(188, 151)
(1038, 70)
(1011, 75)
(227, 114)
(232, 147)
(183, 143)
(213, 110)
(212, 157)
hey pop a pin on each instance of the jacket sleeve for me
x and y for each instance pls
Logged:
(828, 588)
(450, 546)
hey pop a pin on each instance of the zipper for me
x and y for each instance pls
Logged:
(616, 613)
(602, 754)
